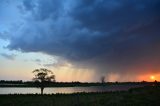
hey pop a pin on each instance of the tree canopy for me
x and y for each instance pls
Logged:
(42, 76)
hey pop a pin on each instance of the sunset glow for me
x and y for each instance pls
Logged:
(152, 77)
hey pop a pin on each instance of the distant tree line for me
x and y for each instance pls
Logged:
(4, 83)
(11, 82)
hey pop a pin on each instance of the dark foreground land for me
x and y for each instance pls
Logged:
(145, 96)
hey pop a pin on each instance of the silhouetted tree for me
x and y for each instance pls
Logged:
(103, 79)
(155, 83)
(42, 76)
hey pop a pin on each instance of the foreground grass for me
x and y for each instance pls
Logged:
(146, 96)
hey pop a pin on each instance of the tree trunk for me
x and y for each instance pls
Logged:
(42, 88)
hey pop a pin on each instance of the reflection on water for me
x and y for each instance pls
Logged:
(51, 90)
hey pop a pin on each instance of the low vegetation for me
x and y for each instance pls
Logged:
(145, 96)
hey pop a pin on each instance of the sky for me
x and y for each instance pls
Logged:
(80, 40)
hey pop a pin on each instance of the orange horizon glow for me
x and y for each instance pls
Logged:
(152, 77)
(149, 77)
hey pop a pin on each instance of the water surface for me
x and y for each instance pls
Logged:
(54, 90)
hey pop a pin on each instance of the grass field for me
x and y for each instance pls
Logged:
(146, 96)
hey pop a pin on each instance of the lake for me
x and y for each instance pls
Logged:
(54, 90)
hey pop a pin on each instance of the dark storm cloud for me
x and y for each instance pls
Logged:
(8, 56)
(4, 35)
(43, 9)
(104, 34)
